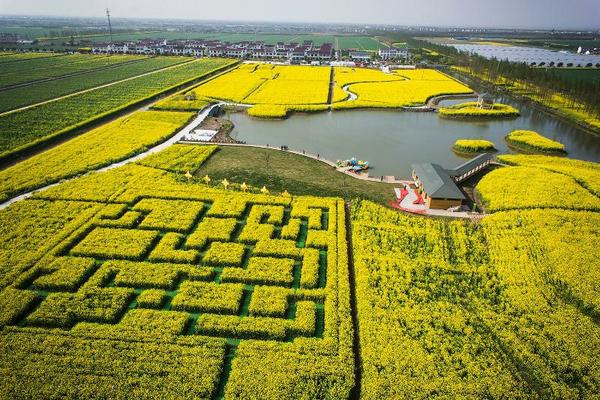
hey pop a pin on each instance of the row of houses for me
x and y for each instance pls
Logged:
(247, 49)
(207, 48)
(390, 53)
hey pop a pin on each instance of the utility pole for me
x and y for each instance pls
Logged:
(109, 26)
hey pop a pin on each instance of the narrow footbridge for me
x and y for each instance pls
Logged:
(471, 167)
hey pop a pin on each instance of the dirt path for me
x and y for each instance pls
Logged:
(95, 88)
(356, 348)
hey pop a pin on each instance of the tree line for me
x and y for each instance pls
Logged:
(542, 82)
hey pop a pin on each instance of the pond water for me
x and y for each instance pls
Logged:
(393, 140)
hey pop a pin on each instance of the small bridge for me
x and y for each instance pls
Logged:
(471, 167)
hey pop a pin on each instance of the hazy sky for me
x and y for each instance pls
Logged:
(504, 13)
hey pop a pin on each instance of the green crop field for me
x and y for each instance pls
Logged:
(578, 74)
(48, 67)
(23, 128)
(359, 42)
(31, 32)
(347, 41)
(34, 92)
(8, 57)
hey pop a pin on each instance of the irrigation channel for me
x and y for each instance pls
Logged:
(393, 140)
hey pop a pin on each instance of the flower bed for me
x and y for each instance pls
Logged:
(531, 141)
(472, 110)
(473, 146)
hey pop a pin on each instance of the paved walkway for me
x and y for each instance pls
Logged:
(407, 205)
(353, 96)
(435, 101)
(174, 139)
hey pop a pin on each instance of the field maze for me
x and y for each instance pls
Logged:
(221, 270)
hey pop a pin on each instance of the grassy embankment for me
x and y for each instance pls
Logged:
(280, 171)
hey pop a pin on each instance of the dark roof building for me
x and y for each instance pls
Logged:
(436, 182)
(438, 185)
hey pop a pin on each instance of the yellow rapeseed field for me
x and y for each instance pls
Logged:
(404, 88)
(306, 88)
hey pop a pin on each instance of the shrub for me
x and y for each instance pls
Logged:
(211, 229)
(268, 301)
(13, 304)
(310, 269)
(94, 305)
(168, 250)
(471, 110)
(473, 146)
(277, 248)
(144, 274)
(172, 215)
(224, 254)
(253, 233)
(65, 274)
(152, 298)
(292, 229)
(305, 321)
(245, 328)
(533, 141)
(208, 297)
(262, 271)
(110, 243)
(271, 214)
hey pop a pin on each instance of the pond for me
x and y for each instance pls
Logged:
(393, 140)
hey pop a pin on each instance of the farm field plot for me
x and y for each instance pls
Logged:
(500, 309)
(25, 128)
(587, 174)
(292, 87)
(109, 143)
(45, 90)
(277, 90)
(360, 43)
(175, 289)
(16, 57)
(587, 75)
(49, 67)
(398, 89)
(318, 39)
(558, 186)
